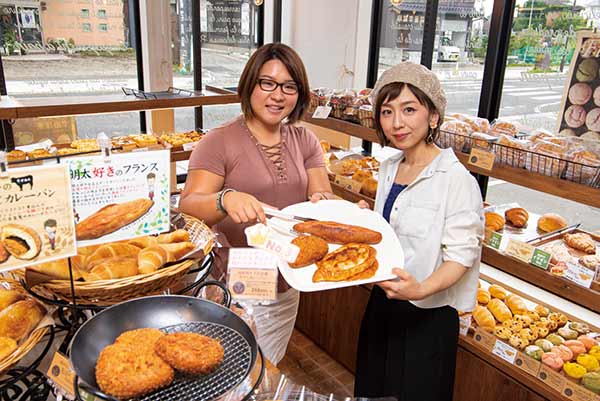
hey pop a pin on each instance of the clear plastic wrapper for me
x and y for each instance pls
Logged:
(584, 164)
(500, 127)
(454, 134)
(546, 158)
(477, 124)
(511, 151)
(480, 140)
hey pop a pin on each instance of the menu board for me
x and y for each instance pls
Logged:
(36, 216)
(580, 108)
(122, 198)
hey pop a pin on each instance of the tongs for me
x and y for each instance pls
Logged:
(276, 213)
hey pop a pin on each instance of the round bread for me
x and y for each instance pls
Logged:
(20, 241)
(592, 121)
(551, 222)
(580, 93)
(190, 352)
(124, 372)
(144, 339)
(575, 116)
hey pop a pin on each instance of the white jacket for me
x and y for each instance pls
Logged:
(438, 218)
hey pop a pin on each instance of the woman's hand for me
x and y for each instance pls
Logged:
(243, 207)
(363, 204)
(317, 196)
(405, 287)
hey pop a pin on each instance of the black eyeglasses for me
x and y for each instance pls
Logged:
(268, 85)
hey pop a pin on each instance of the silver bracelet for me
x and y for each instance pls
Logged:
(220, 196)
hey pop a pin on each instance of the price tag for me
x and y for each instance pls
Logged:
(579, 275)
(464, 322)
(252, 274)
(504, 351)
(520, 250)
(541, 258)
(322, 112)
(348, 183)
(576, 392)
(61, 374)
(527, 364)
(483, 159)
(493, 239)
(189, 146)
(552, 378)
(484, 339)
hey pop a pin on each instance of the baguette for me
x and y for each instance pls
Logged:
(175, 236)
(499, 310)
(111, 218)
(20, 318)
(337, 233)
(484, 318)
(153, 258)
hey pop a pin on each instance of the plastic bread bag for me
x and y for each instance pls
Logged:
(539, 134)
(546, 158)
(584, 164)
(454, 134)
(481, 141)
(477, 124)
(505, 127)
(511, 151)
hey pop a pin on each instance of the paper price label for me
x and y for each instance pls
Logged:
(540, 258)
(483, 159)
(348, 183)
(322, 112)
(579, 275)
(484, 339)
(493, 239)
(189, 146)
(552, 378)
(504, 351)
(527, 364)
(464, 324)
(252, 274)
(61, 374)
(520, 250)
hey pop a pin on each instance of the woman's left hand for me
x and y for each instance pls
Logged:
(405, 287)
(317, 196)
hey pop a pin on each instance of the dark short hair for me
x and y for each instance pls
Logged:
(392, 91)
(294, 65)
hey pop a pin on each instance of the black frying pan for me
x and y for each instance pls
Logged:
(162, 311)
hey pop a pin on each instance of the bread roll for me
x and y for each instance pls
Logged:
(517, 216)
(494, 221)
(483, 296)
(7, 347)
(484, 318)
(499, 310)
(58, 269)
(153, 258)
(20, 318)
(144, 242)
(178, 249)
(516, 304)
(9, 297)
(175, 236)
(551, 222)
(111, 251)
(112, 268)
(497, 291)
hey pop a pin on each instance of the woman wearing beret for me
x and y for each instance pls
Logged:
(408, 338)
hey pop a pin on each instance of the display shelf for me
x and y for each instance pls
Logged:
(348, 195)
(14, 108)
(560, 286)
(554, 186)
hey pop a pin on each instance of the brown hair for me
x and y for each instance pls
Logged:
(392, 91)
(294, 65)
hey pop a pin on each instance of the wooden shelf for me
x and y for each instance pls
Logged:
(13, 108)
(560, 286)
(344, 127)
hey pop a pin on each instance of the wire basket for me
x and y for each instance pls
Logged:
(109, 292)
(535, 162)
(34, 337)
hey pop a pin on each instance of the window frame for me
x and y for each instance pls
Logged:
(84, 13)
(85, 25)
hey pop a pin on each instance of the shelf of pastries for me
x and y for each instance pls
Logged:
(568, 167)
(545, 250)
(543, 341)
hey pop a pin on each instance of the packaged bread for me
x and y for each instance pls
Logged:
(477, 124)
(481, 141)
(583, 166)
(540, 134)
(546, 158)
(20, 318)
(454, 134)
(504, 127)
(511, 151)
(16, 155)
(345, 167)
(362, 175)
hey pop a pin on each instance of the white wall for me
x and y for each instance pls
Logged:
(332, 37)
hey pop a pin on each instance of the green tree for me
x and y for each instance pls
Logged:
(567, 20)
(524, 38)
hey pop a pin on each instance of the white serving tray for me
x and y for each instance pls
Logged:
(389, 250)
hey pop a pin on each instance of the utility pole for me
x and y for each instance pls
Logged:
(564, 56)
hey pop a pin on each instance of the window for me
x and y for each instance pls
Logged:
(103, 27)
(401, 36)
(85, 13)
(87, 27)
(459, 52)
(101, 13)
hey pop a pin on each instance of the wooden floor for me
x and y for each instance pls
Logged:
(307, 364)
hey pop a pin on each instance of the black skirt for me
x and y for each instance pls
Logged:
(405, 351)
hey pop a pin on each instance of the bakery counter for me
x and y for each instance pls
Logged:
(333, 323)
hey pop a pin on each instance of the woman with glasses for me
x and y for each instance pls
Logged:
(259, 159)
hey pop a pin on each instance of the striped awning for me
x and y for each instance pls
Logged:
(444, 7)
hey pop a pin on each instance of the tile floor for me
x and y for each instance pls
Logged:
(307, 364)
